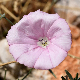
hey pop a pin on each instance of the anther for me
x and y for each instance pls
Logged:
(43, 42)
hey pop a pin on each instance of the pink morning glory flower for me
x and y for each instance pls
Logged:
(40, 40)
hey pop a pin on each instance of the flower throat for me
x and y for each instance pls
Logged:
(43, 42)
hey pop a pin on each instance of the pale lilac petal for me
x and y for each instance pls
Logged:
(46, 20)
(18, 37)
(63, 42)
(24, 32)
(18, 49)
(49, 30)
(38, 23)
(57, 54)
(29, 58)
(44, 61)
(33, 27)
(59, 28)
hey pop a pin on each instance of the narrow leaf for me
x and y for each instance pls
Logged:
(69, 75)
(76, 78)
(52, 73)
(63, 78)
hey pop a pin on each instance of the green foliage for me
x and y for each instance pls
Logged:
(5, 74)
(70, 76)
(76, 78)
(63, 78)
(2, 16)
(52, 73)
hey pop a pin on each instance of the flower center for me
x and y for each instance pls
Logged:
(43, 42)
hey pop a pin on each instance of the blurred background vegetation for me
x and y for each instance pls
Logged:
(68, 9)
(16, 9)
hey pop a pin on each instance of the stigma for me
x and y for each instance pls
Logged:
(43, 42)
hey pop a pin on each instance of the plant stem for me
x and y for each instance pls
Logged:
(27, 74)
(5, 74)
(8, 20)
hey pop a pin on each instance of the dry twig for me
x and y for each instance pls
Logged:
(4, 0)
(73, 56)
(7, 63)
(66, 7)
(47, 6)
(11, 14)
(26, 5)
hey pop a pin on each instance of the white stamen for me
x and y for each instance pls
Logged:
(43, 42)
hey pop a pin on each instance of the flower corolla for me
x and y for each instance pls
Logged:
(40, 40)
